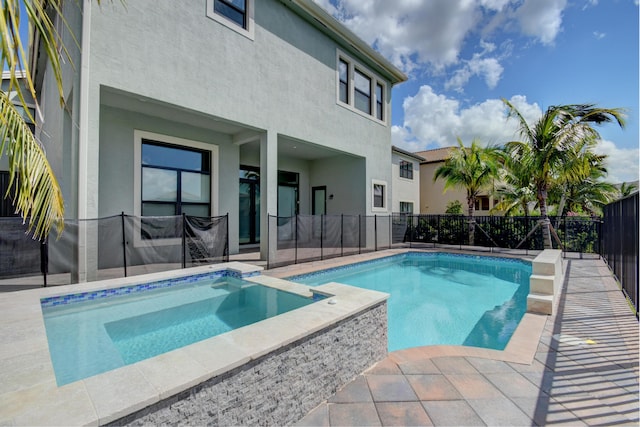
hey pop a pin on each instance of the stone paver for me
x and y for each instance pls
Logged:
(584, 372)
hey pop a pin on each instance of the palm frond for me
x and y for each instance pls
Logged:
(38, 196)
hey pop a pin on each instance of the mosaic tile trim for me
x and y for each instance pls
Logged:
(393, 258)
(142, 287)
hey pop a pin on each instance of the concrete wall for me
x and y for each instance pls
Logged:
(281, 387)
(344, 178)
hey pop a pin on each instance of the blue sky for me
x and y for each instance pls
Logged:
(463, 56)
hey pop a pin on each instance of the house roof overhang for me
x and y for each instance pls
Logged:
(407, 153)
(326, 23)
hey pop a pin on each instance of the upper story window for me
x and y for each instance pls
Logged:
(379, 101)
(234, 10)
(343, 71)
(235, 14)
(406, 169)
(360, 90)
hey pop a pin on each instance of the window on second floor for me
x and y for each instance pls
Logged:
(234, 10)
(406, 169)
(360, 90)
(234, 14)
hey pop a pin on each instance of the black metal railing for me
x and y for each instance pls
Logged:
(304, 238)
(110, 247)
(619, 247)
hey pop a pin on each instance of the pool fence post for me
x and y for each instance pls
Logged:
(124, 245)
(268, 241)
(342, 235)
(390, 230)
(184, 240)
(321, 237)
(295, 250)
(359, 233)
(375, 232)
(226, 242)
(44, 259)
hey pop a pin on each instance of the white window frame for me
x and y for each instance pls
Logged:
(413, 206)
(248, 32)
(385, 196)
(138, 136)
(352, 66)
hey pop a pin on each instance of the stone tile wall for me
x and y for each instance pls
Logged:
(281, 387)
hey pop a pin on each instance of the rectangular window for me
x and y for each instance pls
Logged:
(362, 92)
(378, 195)
(344, 81)
(406, 207)
(175, 180)
(359, 90)
(482, 203)
(233, 10)
(379, 101)
(406, 169)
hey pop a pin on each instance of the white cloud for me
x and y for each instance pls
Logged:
(598, 35)
(541, 18)
(433, 120)
(489, 68)
(622, 163)
(418, 35)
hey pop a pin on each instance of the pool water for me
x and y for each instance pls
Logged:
(439, 298)
(92, 337)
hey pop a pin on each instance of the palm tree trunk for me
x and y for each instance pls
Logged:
(472, 224)
(546, 230)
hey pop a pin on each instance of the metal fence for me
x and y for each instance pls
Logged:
(620, 244)
(111, 247)
(305, 238)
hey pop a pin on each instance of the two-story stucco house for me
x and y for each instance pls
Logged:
(246, 107)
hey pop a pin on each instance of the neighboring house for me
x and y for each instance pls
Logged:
(405, 170)
(433, 198)
(251, 108)
(6, 207)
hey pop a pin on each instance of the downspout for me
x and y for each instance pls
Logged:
(83, 139)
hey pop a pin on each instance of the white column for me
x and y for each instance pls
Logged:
(268, 191)
(88, 149)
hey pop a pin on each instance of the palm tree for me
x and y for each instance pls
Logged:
(549, 144)
(627, 189)
(514, 189)
(35, 189)
(473, 169)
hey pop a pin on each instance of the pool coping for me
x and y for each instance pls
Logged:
(29, 394)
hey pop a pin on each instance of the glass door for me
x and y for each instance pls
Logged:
(249, 221)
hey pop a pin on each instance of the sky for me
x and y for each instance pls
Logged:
(463, 56)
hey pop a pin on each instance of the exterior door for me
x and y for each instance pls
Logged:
(249, 218)
(319, 201)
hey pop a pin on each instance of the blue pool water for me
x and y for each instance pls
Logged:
(98, 335)
(441, 298)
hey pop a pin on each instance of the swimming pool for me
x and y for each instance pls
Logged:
(91, 333)
(439, 298)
